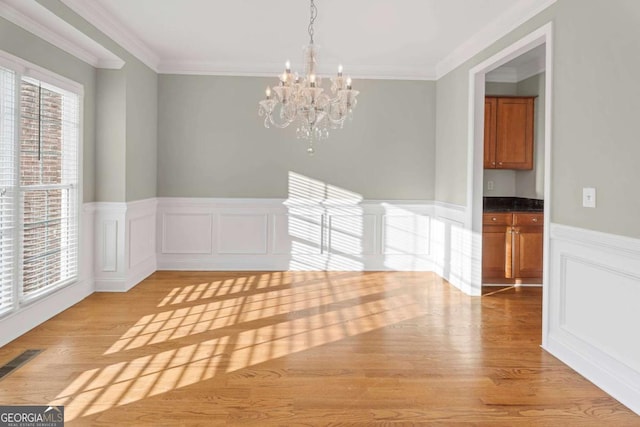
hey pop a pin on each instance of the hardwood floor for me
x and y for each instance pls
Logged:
(303, 348)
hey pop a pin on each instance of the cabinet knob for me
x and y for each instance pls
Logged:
(500, 163)
(493, 163)
(494, 219)
(535, 220)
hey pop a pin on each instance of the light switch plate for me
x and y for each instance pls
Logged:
(490, 185)
(589, 197)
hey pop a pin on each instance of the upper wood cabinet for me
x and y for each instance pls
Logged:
(508, 132)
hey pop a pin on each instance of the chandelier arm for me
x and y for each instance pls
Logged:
(275, 123)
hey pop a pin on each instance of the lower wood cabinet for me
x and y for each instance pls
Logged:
(512, 246)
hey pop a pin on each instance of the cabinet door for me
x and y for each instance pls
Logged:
(514, 133)
(493, 251)
(527, 251)
(490, 116)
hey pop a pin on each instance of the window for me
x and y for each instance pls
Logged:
(39, 141)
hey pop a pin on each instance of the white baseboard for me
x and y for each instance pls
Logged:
(296, 263)
(594, 293)
(134, 276)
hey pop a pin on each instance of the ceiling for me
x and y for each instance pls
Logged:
(412, 39)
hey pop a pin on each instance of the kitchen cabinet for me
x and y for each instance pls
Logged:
(494, 234)
(512, 246)
(508, 132)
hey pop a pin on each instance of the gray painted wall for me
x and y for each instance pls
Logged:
(500, 88)
(211, 142)
(111, 135)
(595, 116)
(142, 131)
(25, 45)
(451, 136)
(130, 175)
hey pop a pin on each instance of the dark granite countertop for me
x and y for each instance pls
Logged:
(511, 204)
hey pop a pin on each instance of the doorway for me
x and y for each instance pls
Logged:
(475, 173)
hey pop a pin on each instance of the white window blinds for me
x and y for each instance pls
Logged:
(39, 173)
(8, 177)
(49, 126)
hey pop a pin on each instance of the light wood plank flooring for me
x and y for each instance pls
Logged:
(304, 348)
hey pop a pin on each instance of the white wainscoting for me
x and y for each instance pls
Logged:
(125, 237)
(299, 234)
(594, 308)
(453, 244)
(141, 238)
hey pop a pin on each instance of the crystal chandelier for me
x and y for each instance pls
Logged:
(304, 101)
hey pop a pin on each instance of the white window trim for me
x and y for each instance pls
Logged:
(23, 68)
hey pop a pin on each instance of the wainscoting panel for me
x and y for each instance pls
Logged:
(295, 234)
(594, 296)
(110, 253)
(125, 244)
(141, 233)
(109, 245)
(353, 234)
(406, 234)
(142, 239)
(187, 233)
(242, 234)
(452, 245)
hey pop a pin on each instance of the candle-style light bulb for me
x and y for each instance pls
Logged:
(312, 80)
(268, 92)
(287, 66)
(283, 78)
(340, 70)
(349, 83)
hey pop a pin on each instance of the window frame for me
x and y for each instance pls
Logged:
(20, 69)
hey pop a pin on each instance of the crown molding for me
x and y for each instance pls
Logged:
(110, 26)
(38, 20)
(500, 27)
(212, 68)
(105, 22)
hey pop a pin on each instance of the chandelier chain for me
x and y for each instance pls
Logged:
(314, 15)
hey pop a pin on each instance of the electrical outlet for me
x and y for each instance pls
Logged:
(589, 197)
(489, 185)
